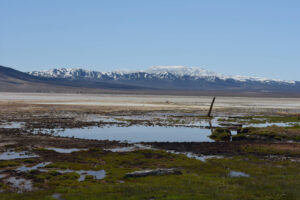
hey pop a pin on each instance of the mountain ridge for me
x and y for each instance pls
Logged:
(12, 80)
(157, 71)
(158, 80)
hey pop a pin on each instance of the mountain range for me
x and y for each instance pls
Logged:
(159, 79)
(157, 72)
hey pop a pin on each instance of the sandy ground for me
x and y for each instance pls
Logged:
(155, 101)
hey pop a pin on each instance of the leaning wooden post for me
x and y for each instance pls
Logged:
(211, 107)
(211, 127)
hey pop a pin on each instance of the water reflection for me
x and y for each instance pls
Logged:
(134, 134)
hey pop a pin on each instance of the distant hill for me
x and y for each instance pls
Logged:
(12, 80)
(175, 80)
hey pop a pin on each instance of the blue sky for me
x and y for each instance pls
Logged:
(253, 38)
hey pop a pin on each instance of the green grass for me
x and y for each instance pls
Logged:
(8, 163)
(221, 134)
(273, 132)
(267, 150)
(269, 180)
(283, 119)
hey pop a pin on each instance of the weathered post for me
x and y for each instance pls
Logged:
(211, 127)
(211, 107)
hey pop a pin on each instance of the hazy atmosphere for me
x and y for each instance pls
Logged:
(253, 38)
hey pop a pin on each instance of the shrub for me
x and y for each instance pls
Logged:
(221, 134)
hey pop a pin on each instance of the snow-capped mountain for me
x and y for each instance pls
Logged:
(158, 72)
(155, 80)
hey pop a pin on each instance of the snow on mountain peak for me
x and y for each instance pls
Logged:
(203, 73)
(181, 71)
(158, 71)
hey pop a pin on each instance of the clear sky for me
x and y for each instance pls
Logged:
(254, 37)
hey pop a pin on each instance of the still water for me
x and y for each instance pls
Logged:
(135, 134)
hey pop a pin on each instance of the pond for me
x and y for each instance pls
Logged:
(134, 134)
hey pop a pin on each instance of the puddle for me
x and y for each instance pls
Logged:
(122, 149)
(130, 148)
(105, 119)
(141, 146)
(2, 176)
(13, 125)
(233, 132)
(196, 124)
(57, 196)
(20, 184)
(35, 167)
(288, 124)
(294, 159)
(195, 156)
(203, 158)
(98, 175)
(236, 174)
(11, 155)
(135, 134)
(61, 150)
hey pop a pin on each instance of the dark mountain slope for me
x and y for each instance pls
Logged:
(15, 81)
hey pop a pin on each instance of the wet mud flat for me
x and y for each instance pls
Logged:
(51, 151)
(262, 149)
(18, 139)
(171, 128)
